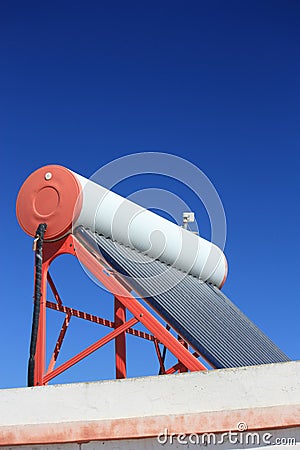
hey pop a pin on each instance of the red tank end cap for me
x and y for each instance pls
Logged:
(49, 195)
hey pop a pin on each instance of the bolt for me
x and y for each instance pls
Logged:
(48, 176)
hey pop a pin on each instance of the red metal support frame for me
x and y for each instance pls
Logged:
(89, 350)
(122, 300)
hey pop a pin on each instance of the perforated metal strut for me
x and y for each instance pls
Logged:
(38, 247)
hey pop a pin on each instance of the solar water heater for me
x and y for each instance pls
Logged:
(158, 271)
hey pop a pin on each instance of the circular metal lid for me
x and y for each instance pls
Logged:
(49, 195)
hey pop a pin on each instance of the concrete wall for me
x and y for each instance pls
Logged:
(93, 415)
(268, 439)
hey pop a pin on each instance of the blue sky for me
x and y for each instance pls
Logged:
(217, 83)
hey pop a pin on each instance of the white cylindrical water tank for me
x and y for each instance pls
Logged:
(65, 200)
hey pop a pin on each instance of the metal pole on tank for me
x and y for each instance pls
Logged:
(187, 217)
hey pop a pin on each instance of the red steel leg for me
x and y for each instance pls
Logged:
(120, 341)
(50, 251)
(162, 369)
(40, 354)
